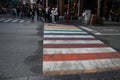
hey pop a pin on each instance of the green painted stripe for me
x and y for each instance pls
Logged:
(66, 30)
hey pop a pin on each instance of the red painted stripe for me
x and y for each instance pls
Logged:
(72, 57)
(73, 45)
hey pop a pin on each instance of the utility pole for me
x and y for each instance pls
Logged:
(57, 3)
(99, 19)
(78, 7)
(98, 8)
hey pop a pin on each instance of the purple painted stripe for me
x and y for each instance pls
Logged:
(70, 39)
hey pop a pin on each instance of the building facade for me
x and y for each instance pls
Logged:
(76, 7)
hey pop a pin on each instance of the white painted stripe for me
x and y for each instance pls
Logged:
(64, 32)
(15, 20)
(21, 21)
(109, 34)
(28, 21)
(2, 19)
(88, 29)
(7, 20)
(81, 65)
(68, 36)
(77, 50)
(72, 42)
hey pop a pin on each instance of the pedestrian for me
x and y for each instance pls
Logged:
(53, 15)
(56, 15)
(32, 14)
(14, 12)
(67, 15)
(83, 16)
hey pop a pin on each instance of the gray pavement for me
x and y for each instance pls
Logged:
(21, 52)
(110, 34)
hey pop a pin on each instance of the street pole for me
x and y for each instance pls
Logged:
(98, 8)
(78, 7)
(57, 3)
(98, 12)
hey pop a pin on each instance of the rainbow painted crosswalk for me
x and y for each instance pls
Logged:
(70, 50)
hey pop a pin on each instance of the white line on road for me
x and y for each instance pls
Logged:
(28, 21)
(15, 20)
(90, 30)
(110, 34)
(72, 42)
(77, 50)
(21, 21)
(2, 19)
(7, 20)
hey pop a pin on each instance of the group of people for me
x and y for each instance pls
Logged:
(47, 14)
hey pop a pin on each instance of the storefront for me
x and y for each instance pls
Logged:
(75, 6)
(112, 8)
(63, 4)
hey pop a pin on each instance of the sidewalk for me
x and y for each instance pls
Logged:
(79, 22)
(75, 22)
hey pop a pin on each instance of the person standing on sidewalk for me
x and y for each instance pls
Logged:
(53, 15)
(83, 16)
(67, 15)
(32, 14)
(56, 15)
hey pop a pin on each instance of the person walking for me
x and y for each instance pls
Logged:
(53, 15)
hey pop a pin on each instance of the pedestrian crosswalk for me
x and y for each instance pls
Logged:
(70, 50)
(13, 20)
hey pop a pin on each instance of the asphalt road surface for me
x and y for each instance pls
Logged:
(21, 54)
(19, 50)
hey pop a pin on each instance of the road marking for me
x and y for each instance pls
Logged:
(73, 45)
(7, 20)
(77, 50)
(21, 21)
(80, 66)
(64, 32)
(98, 33)
(28, 21)
(73, 57)
(2, 19)
(72, 42)
(90, 30)
(15, 20)
(68, 52)
(68, 36)
(109, 34)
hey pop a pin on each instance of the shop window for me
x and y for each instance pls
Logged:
(53, 2)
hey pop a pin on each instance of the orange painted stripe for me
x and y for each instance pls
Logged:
(73, 45)
(87, 56)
